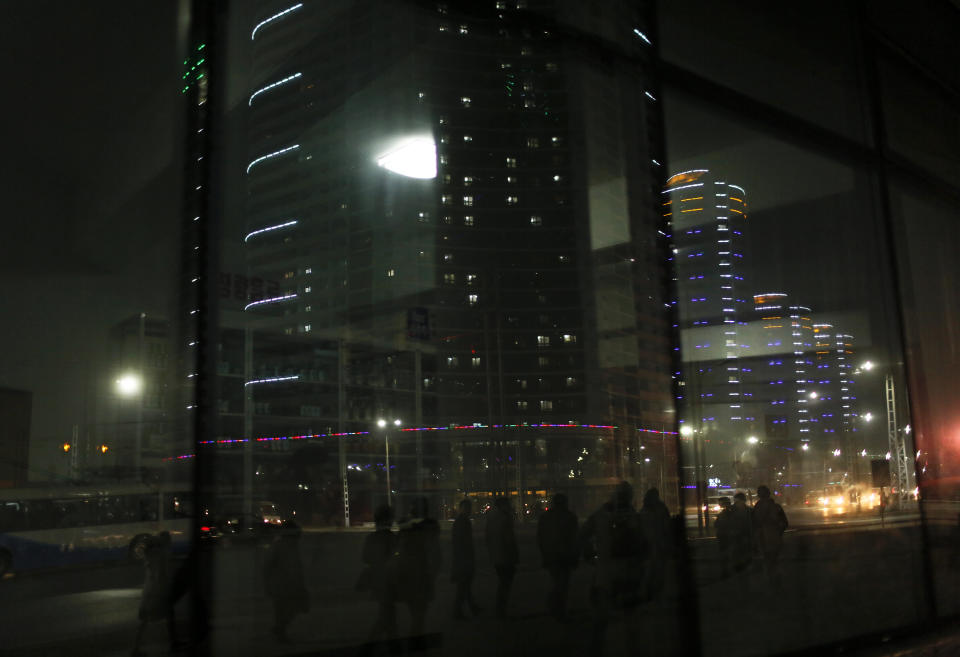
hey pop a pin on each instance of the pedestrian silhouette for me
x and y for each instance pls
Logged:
(769, 523)
(502, 547)
(418, 563)
(157, 600)
(658, 532)
(722, 529)
(464, 562)
(379, 576)
(283, 580)
(613, 536)
(740, 534)
(557, 539)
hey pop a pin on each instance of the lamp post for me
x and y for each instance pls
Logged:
(386, 447)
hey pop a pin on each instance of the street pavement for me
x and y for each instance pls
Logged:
(838, 582)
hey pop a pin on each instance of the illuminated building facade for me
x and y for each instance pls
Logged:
(461, 237)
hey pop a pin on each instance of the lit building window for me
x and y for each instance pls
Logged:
(452, 361)
(465, 101)
(543, 361)
(570, 338)
(556, 178)
(551, 67)
(571, 381)
(444, 27)
(288, 274)
(521, 405)
(536, 220)
(464, 29)
(471, 279)
(468, 200)
(526, 50)
(475, 362)
(512, 200)
(391, 273)
(529, 104)
(307, 328)
(448, 257)
(511, 163)
(308, 289)
(511, 179)
(307, 308)
(546, 405)
(528, 86)
(308, 270)
(468, 220)
(473, 299)
(450, 279)
(467, 181)
(543, 340)
(533, 142)
(563, 258)
(447, 219)
(446, 199)
(467, 138)
(423, 216)
(443, 159)
(522, 383)
(555, 141)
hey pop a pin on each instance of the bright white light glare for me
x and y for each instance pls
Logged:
(381, 423)
(867, 366)
(413, 158)
(396, 423)
(868, 416)
(813, 395)
(686, 431)
(805, 447)
(753, 440)
(269, 228)
(129, 385)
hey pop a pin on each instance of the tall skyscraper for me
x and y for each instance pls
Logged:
(462, 241)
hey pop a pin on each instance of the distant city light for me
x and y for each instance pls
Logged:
(413, 158)
(868, 417)
(805, 447)
(686, 431)
(867, 366)
(753, 440)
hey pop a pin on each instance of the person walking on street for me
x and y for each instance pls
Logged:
(283, 579)
(502, 547)
(741, 534)
(418, 563)
(722, 529)
(614, 539)
(378, 576)
(557, 538)
(157, 600)
(464, 562)
(769, 523)
(658, 532)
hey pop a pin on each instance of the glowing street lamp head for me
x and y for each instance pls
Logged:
(686, 431)
(868, 417)
(413, 158)
(396, 423)
(813, 395)
(381, 423)
(753, 440)
(867, 366)
(129, 385)
(805, 446)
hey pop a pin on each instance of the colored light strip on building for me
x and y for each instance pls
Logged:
(272, 155)
(676, 189)
(269, 228)
(665, 433)
(271, 86)
(285, 297)
(281, 14)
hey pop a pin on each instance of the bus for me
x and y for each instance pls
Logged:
(64, 526)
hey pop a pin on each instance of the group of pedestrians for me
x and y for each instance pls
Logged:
(745, 533)
(626, 547)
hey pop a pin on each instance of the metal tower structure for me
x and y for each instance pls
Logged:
(897, 445)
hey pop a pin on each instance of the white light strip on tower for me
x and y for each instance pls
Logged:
(270, 155)
(649, 95)
(737, 187)
(674, 189)
(269, 228)
(642, 36)
(270, 300)
(271, 86)
(253, 34)
(272, 380)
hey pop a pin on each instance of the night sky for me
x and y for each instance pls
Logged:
(91, 196)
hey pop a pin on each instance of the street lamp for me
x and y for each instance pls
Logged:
(386, 447)
(130, 385)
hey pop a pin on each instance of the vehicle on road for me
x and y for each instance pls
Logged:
(63, 526)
